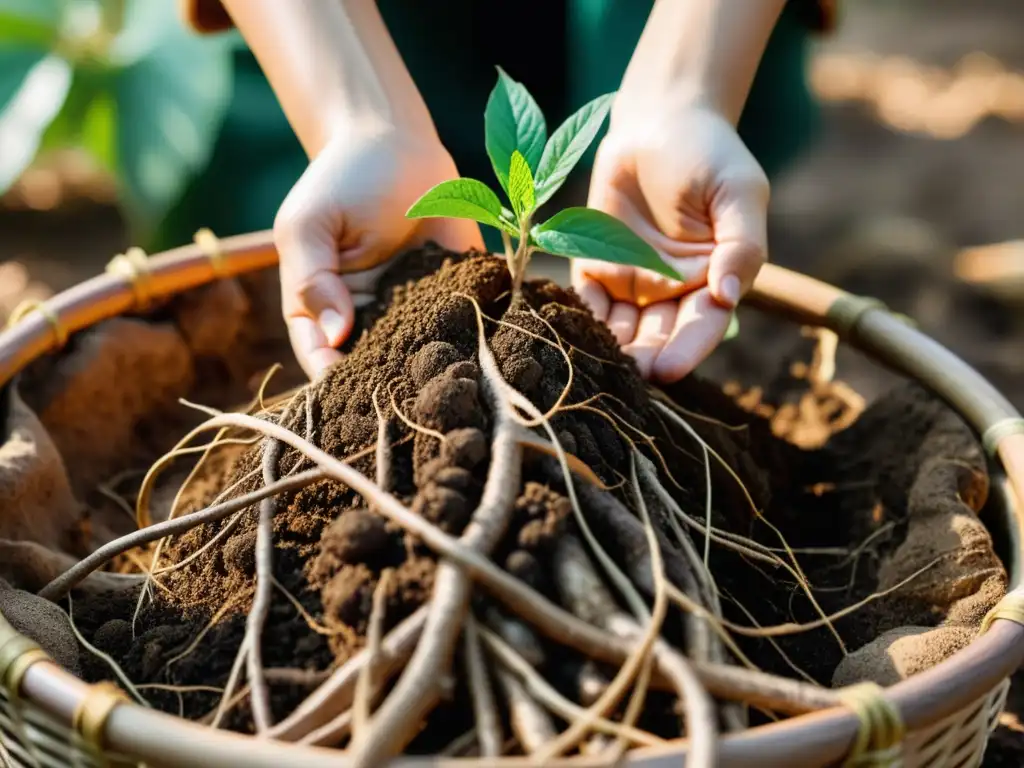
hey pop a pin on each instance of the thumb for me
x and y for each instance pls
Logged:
(316, 303)
(739, 215)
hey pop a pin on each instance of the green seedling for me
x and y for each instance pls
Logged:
(530, 168)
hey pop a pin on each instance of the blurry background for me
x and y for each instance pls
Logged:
(913, 194)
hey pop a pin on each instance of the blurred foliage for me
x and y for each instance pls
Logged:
(123, 80)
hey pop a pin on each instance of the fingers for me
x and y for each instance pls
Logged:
(652, 333)
(699, 326)
(739, 212)
(622, 321)
(309, 342)
(320, 314)
(317, 305)
(591, 291)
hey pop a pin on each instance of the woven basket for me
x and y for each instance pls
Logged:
(50, 718)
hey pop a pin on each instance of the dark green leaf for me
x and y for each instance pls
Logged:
(33, 86)
(171, 89)
(460, 199)
(520, 186)
(587, 233)
(512, 121)
(567, 145)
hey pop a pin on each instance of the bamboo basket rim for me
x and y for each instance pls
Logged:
(812, 739)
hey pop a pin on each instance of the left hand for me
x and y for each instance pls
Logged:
(687, 184)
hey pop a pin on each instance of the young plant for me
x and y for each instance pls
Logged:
(530, 168)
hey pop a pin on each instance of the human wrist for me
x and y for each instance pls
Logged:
(331, 63)
(668, 98)
(698, 54)
(372, 126)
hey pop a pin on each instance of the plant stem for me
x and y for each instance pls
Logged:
(517, 265)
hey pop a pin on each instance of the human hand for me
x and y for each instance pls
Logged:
(687, 184)
(342, 222)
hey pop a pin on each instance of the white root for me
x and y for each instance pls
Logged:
(490, 736)
(259, 694)
(796, 569)
(531, 725)
(588, 598)
(366, 682)
(72, 577)
(383, 449)
(312, 721)
(549, 696)
(779, 694)
(733, 714)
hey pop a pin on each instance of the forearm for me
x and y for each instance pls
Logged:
(702, 52)
(332, 64)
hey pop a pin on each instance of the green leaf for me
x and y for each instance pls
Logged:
(88, 119)
(587, 233)
(172, 90)
(512, 120)
(33, 87)
(734, 328)
(520, 186)
(32, 22)
(567, 145)
(460, 199)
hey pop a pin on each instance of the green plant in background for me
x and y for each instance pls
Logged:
(122, 80)
(530, 168)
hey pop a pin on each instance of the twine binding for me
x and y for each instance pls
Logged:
(999, 431)
(1010, 608)
(133, 265)
(17, 654)
(881, 729)
(209, 244)
(19, 313)
(848, 309)
(90, 718)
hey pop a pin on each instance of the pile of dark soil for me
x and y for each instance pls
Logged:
(844, 508)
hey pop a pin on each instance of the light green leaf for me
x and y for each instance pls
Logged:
(520, 186)
(567, 145)
(734, 328)
(512, 120)
(33, 86)
(587, 233)
(460, 199)
(31, 22)
(171, 91)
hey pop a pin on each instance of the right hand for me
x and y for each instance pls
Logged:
(342, 222)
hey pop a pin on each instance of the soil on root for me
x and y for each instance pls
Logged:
(414, 360)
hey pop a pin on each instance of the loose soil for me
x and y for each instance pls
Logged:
(414, 357)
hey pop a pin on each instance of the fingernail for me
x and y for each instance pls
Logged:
(333, 326)
(730, 290)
